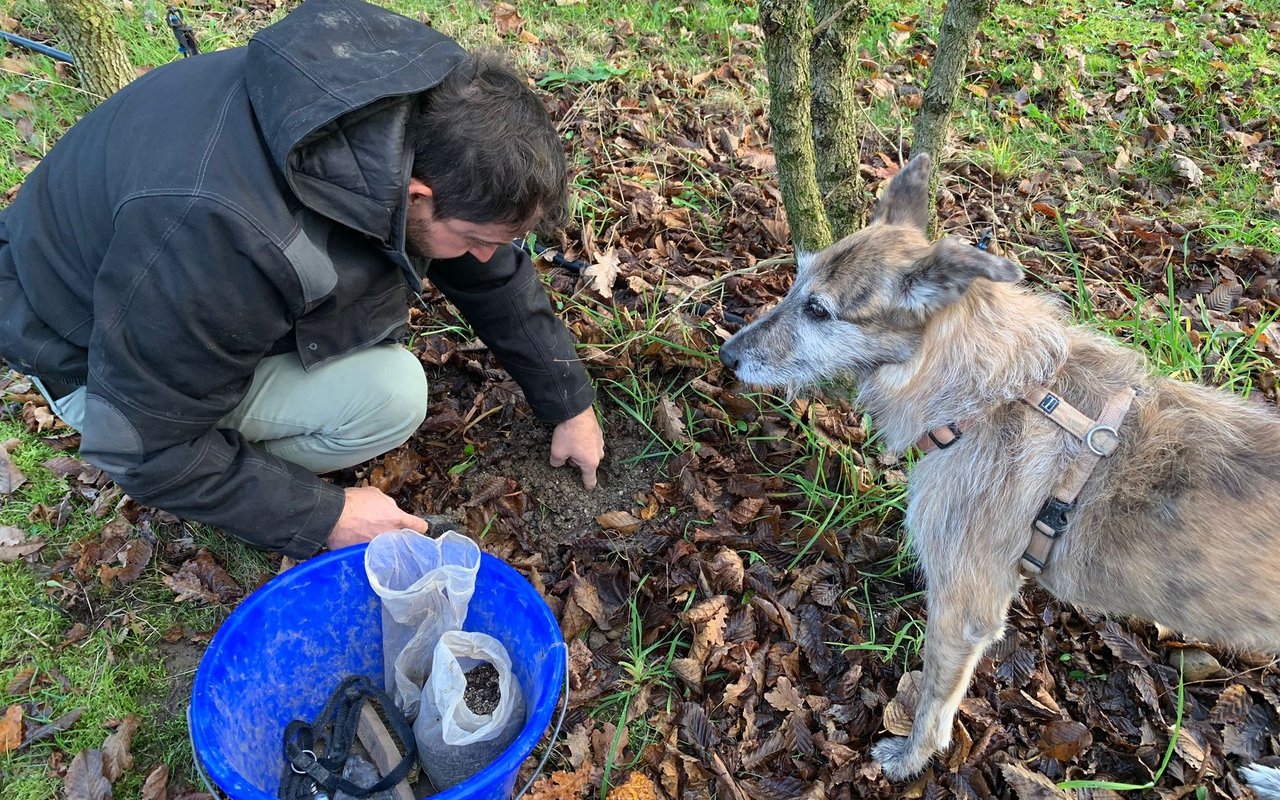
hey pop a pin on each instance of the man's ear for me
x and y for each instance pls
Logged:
(418, 191)
(946, 271)
(906, 200)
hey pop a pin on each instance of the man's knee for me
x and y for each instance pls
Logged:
(396, 376)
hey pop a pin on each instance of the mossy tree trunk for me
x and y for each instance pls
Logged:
(960, 24)
(89, 33)
(835, 112)
(787, 38)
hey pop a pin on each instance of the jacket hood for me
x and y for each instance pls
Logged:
(332, 86)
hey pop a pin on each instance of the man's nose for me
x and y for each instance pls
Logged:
(484, 253)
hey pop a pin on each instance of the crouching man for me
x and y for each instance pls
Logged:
(208, 274)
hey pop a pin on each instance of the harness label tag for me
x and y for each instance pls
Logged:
(1049, 403)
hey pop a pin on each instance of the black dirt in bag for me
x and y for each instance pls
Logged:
(482, 694)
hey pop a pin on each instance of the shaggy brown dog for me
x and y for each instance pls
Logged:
(1179, 525)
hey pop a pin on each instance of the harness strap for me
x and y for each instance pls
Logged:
(317, 753)
(1100, 439)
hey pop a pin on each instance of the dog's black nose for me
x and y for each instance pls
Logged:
(729, 355)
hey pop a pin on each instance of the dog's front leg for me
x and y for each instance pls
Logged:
(965, 618)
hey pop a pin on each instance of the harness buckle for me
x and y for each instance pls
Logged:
(1053, 515)
(956, 433)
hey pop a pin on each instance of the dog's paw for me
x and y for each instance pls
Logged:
(897, 758)
(1264, 781)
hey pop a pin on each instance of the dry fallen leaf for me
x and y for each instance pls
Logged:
(21, 102)
(900, 711)
(669, 421)
(132, 559)
(203, 579)
(14, 544)
(708, 619)
(11, 729)
(620, 521)
(156, 787)
(116, 758)
(59, 725)
(603, 273)
(10, 476)
(21, 683)
(1188, 170)
(725, 570)
(507, 18)
(85, 777)
(784, 696)
(1031, 785)
(1064, 739)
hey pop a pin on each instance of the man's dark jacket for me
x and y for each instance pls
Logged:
(232, 206)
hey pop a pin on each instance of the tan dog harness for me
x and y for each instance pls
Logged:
(1100, 437)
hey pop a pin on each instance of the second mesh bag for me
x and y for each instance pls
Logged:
(425, 585)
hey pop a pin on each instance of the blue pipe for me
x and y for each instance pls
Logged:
(43, 49)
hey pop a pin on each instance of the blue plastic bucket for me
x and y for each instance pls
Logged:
(284, 650)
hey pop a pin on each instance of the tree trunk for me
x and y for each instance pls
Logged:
(955, 39)
(88, 30)
(834, 111)
(786, 49)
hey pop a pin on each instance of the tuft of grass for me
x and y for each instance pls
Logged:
(120, 667)
(646, 668)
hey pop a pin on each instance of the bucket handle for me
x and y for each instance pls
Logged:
(542, 762)
(555, 731)
(195, 758)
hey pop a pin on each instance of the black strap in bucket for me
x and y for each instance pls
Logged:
(316, 753)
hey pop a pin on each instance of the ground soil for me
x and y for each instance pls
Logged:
(482, 693)
(561, 511)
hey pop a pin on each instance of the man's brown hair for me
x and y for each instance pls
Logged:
(486, 146)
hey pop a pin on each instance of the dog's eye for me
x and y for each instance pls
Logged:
(816, 310)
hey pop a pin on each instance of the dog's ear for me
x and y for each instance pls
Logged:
(946, 271)
(906, 200)
(804, 261)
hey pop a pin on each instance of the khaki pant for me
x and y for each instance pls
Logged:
(336, 416)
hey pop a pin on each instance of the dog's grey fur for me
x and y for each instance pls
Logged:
(1181, 525)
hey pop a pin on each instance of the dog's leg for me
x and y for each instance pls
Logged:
(965, 618)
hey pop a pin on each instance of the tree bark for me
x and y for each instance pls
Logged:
(836, 136)
(88, 30)
(786, 49)
(955, 39)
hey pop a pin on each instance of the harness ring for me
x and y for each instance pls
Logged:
(1088, 439)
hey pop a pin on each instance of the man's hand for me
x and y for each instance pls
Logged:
(578, 441)
(367, 513)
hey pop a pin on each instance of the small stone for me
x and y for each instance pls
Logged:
(1197, 665)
